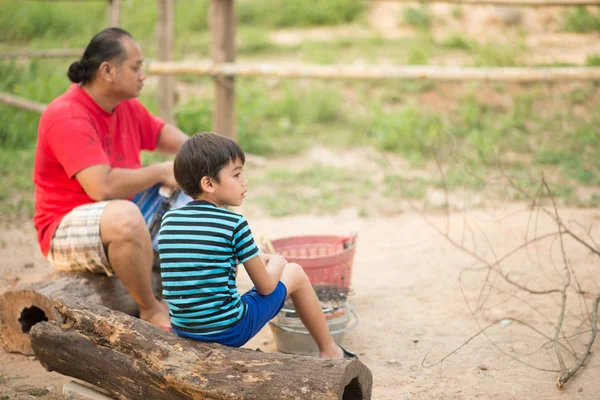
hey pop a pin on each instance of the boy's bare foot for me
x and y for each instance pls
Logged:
(338, 352)
(334, 352)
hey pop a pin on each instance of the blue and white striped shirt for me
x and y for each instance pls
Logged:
(199, 246)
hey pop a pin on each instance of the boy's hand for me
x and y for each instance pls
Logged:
(272, 258)
(264, 257)
(276, 259)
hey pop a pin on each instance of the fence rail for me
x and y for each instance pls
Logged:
(21, 103)
(530, 3)
(438, 73)
(223, 66)
(48, 53)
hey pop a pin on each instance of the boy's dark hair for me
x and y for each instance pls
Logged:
(104, 46)
(204, 154)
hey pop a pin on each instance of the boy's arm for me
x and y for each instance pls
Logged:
(265, 278)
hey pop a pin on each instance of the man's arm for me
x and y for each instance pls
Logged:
(101, 182)
(170, 139)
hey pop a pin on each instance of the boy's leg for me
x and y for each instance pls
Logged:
(309, 309)
(128, 245)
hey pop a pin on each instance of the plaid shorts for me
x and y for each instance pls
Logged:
(77, 244)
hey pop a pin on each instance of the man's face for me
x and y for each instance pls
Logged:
(130, 77)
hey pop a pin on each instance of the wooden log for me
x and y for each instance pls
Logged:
(222, 49)
(26, 305)
(133, 359)
(438, 73)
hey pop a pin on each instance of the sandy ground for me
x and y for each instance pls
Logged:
(411, 300)
(413, 291)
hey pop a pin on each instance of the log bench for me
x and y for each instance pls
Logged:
(27, 304)
(132, 359)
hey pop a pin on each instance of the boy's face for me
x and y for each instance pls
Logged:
(232, 186)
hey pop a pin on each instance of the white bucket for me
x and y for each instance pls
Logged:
(291, 336)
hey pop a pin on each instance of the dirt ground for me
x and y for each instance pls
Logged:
(408, 298)
(413, 291)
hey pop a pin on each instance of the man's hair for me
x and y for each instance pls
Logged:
(104, 46)
(204, 154)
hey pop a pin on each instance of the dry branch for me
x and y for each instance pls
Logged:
(566, 375)
(439, 73)
(559, 339)
(133, 359)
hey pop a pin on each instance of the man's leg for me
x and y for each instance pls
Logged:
(127, 241)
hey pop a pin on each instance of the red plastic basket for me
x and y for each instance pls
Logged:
(326, 259)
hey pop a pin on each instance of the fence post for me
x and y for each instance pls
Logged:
(165, 32)
(222, 49)
(114, 13)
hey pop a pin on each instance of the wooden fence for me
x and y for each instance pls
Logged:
(516, 3)
(224, 69)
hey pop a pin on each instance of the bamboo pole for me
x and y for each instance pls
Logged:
(165, 34)
(439, 73)
(114, 13)
(42, 53)
(222, 49)
(18, 102)
(530, 3)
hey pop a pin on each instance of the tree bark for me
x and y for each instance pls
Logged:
(25, 305)
(132, 359)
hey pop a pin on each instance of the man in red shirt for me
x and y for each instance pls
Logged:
(87, 167)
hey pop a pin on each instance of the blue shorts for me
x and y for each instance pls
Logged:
(261, 309)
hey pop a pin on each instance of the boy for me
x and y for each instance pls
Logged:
(200, 245)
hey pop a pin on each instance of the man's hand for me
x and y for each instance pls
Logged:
(166, 174)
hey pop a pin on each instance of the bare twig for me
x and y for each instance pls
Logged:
(482, 331)
(491, 292)
(566, 375)
(563, 304)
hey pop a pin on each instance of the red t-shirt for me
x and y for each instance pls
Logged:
(75, 133)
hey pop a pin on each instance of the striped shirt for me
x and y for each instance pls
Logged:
(200, 246)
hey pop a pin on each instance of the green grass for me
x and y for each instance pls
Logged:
(492, 54)
(466, 126)
(284, 13)
(315, 190)
(419, 18)
(592, 60)
(35, 81)
(457, 41)
(64, 24)
(581, 20)
(16, 185)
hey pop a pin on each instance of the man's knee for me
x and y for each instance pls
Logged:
(123, 220)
